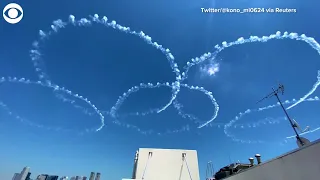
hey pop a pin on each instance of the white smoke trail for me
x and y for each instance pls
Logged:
(84, 22)
(249, 111)
(184, 128)
(193, 118)
(56, 88)
(72, 102)
(57, 25)
(176, 104)
(32, 124)
(314, 88)
(134, 89)
(151, 111)
(304, 133)
(261, 122)
(294, 36)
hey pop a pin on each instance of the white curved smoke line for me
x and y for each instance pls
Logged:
(57, 25)
(35, 55)
(304, 133)
(134, 89)
(177, 106)
(56, 88)
(249, 111)
(294, 36)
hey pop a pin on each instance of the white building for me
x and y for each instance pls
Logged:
(24, 173)
(78, 178)
(92, 176)
(98, 176)
(168, 164)
(64, 178)
(16, 176)
(42, 177)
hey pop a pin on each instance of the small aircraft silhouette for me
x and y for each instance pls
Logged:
(296, 125)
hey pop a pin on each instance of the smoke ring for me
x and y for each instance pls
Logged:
(55, 88)
(249, 111)
(37, 61)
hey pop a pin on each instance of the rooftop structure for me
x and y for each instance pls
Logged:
(302, 163)
(168, 164)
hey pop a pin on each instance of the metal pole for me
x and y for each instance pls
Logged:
(292, 125)
(184, 155)
(145, 168)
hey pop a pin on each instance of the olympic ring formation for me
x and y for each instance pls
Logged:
(58, 25)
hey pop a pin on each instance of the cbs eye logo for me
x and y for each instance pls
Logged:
(11, 13)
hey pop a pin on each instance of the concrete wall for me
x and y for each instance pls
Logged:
(167, 164)
(300, 164)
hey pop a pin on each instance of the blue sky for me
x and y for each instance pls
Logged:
(101, 63)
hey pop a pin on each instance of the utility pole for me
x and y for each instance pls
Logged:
(275, 92)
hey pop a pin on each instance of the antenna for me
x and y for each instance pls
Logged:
(275, 93)
(296, 125)
(230, 159)
(210, 170)
(304, 140)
